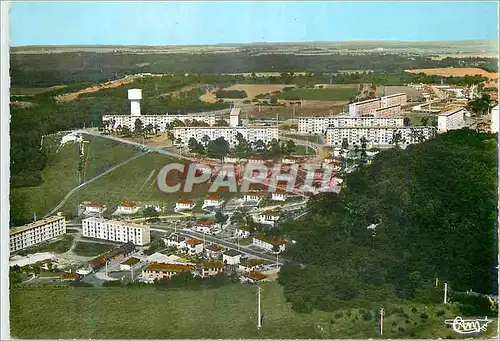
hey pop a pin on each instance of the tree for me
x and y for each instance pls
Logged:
(195, 147)
(363, 154)
(218, 148)
(149, 129)
(274, 147)
(221, 123)
(220, 217)
(126, 131)
(138, 127)
(242, 148)
(345, 143)
(260, 146)
(424, 120)
(481, 105)
(205, 139)
(397, 138)
(150, 212)
(290, 147)
(406, 121)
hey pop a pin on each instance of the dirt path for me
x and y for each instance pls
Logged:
(111, 84)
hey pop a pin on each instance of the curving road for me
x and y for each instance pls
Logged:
(70, 193)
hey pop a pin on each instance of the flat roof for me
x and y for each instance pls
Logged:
(35, 224)
(389, 107)
(232, 253)
(111, 221)
(394, 95)
(366, 101)
(451, 112)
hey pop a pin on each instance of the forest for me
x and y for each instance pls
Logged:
(41, 70)
(431, 209)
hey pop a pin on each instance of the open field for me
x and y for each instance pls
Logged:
(328, 94)
(33, 91)
(61, 173)
(91, 249)
(391, 90)
(456, 72)
(136, 181)
(253, 90)
(227, 312)
(111, 84)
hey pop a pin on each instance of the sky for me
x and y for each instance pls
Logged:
(210, 22)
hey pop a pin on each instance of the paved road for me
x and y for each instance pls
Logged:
(70, 193)
(201, 236)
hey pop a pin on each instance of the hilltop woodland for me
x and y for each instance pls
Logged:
(434, 206)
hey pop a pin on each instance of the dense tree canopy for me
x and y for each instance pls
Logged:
(431, 212)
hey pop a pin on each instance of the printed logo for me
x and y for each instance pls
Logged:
(465, 327)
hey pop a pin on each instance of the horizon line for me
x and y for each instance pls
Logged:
(263, 43)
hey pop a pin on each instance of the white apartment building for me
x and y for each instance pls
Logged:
(364, 107)
(160, 121)
(249, 133)
(391, 100)
(388, 111)
(451, 120)
(319, 125)
(494, 120)
(117, 231)
(36, 232)
(379, 136)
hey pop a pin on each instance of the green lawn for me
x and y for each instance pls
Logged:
(331, 94)
(61, 245)
(91, 249)
(312, 138)
(132, 182)
(61, 173)
(32, 91)
(303, 150)
(227, 312)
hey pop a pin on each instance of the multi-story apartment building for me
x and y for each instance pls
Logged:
(159, 121)
(271, 244)
(319, 125)
(249, 133)
(366, 107)
(117, 231)
(388, 111)
(36, 232)
(451, 120)
(391, 100)
(379, 136)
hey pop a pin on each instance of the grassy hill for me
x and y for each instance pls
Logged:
(227, 312)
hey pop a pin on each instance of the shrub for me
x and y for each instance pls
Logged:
(440, 313)
(339, 315)
(423, 316)
(413, 310)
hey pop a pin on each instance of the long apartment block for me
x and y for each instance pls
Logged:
(117, 231)
(370, 106)
(319, 125)
(160, 121)
(36, 232)
(379, 136)
(249, 133)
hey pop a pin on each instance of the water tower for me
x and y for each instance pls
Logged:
(135, 96)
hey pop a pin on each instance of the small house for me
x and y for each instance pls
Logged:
(194, 246)
(184, 205)
(211, 268)
(127, 207)
(271, 244)
(128, 264)
(231, 257)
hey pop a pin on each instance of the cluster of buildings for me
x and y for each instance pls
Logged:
(183, 134)
(374, 121)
